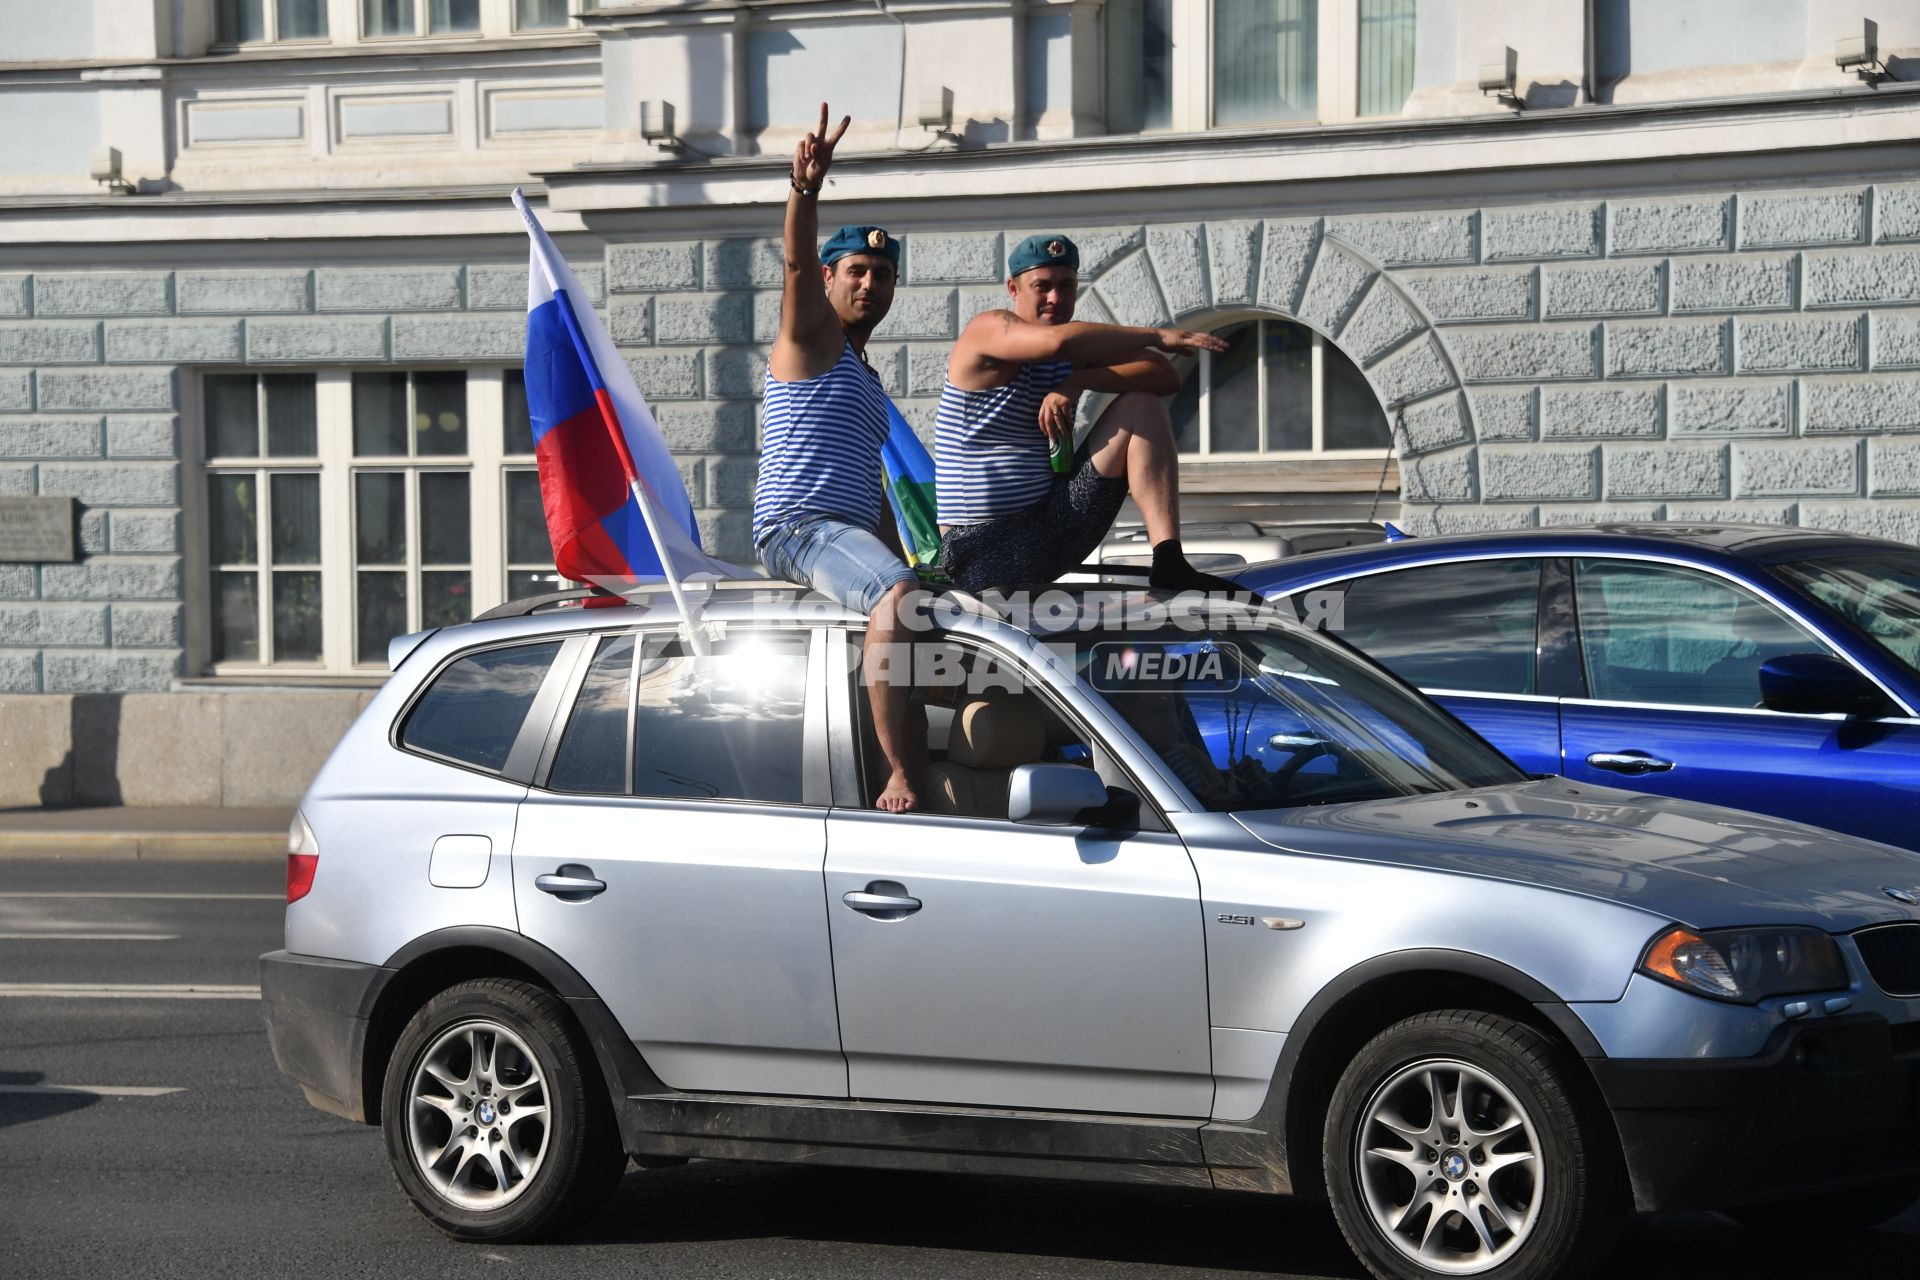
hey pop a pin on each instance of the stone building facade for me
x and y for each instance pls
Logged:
(1692, 294)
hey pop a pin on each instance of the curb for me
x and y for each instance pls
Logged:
(124, 846)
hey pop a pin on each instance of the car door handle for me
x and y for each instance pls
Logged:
(886, 906)
(1628, 762)
(572, 883)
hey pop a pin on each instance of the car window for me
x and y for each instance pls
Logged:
(983, 720)
(1878, 592)
(473, 710)
(726, 725)
(593, 749)
(1469, 626)
(1659, 633)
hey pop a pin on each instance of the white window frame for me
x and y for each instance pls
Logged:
(485, 464)
(270, 25)
(1203, 368)
(1191, 70)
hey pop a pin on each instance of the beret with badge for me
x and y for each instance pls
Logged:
(1043, 251)
(860, 240)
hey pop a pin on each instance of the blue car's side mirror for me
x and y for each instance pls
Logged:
(1814, 683)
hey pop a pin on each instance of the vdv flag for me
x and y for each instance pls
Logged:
(600, 451)
(908, 472)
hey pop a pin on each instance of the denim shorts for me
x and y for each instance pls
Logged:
(835, 558)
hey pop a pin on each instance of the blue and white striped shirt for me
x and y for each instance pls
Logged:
(821, 454)
(990, 456)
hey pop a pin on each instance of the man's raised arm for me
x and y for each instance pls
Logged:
(1001, 337)
(810, 336)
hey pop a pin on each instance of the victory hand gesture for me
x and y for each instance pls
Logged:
(814, 156)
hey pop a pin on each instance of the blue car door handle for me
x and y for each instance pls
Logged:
(1628, 762)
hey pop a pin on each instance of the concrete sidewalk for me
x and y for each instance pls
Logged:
(128, 833)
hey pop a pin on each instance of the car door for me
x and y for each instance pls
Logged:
(671, 850)
(1035, 968)
(1672, 659)
(1470, 634)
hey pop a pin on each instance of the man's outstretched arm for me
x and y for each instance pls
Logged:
(810, 336)
(997, 338)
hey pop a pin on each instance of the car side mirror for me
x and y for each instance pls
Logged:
(1053, 795)
(1813, 683)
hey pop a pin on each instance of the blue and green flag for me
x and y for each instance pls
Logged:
(909, 479)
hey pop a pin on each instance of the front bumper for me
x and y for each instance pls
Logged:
(317, 1012)
(1827, 1104)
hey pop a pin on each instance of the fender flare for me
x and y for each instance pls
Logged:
(1255, 1154)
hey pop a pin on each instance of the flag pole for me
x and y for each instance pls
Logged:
(688, 622)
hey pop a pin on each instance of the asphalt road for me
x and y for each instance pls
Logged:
(232, 1174)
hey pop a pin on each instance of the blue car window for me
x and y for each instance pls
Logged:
(1469, 626)
(1657, 633)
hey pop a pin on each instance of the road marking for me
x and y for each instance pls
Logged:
(181, 897)
(98, 1090)
(129, 991)
(89, 937)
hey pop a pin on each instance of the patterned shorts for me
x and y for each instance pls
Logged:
(1036, 544)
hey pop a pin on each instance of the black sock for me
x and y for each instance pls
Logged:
(1172, 572)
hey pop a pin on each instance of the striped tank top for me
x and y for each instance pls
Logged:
(821, 453)
(990, 456)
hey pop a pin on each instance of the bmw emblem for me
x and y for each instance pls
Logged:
(486, 1113)
(1901, 895)
(1454, 1167)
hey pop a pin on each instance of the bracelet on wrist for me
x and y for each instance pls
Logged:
(805, 191)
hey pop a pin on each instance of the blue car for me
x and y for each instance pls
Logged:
(1769, 669)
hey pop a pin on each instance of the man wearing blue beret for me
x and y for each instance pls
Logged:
(819, 511)
(1010, 517)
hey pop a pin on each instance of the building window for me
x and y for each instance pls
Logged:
(412, 17)
(1386, 56)
(1265, 61)
(1279, 389)
(263, 21)
(263, 518)
(345, 508)
(1245, 63)
(539, 15)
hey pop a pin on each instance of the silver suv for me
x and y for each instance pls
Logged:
(1198, 900)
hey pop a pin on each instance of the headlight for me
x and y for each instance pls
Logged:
(1746, 965)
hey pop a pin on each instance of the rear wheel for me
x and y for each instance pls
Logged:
(1460, 1143)
(1833, 1212)
(497, 1124)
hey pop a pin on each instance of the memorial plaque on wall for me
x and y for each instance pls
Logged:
(37, 530)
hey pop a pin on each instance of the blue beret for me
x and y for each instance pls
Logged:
(860, 240)
(1043, 251)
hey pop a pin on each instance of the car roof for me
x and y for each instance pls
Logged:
(738, 600)
(1724, 544)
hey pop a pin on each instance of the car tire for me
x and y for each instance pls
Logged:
(497, 1123)
(1833, 1212)
(1465, 1143)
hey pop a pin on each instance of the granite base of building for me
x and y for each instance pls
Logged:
(225, 749)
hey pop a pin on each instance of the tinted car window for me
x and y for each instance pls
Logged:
(728, 725)
(474, 709)
(1464, 626)
(1656, 633)
(593, 749)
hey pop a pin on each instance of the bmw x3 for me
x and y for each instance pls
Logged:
(1201, 901)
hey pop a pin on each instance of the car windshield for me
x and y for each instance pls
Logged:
(1281, 717)
(1878, 592)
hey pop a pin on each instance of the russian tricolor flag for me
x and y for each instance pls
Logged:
(601, 453)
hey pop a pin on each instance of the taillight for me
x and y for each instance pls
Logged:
(303, 858)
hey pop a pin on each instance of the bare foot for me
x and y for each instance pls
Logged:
(899, 795)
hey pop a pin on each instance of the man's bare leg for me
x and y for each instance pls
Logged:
(1134, 441)
(888, 674)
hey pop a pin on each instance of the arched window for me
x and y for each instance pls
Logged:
(1278, 390)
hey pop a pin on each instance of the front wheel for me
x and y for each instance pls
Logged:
(496, 1121)
(1462, 1143)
